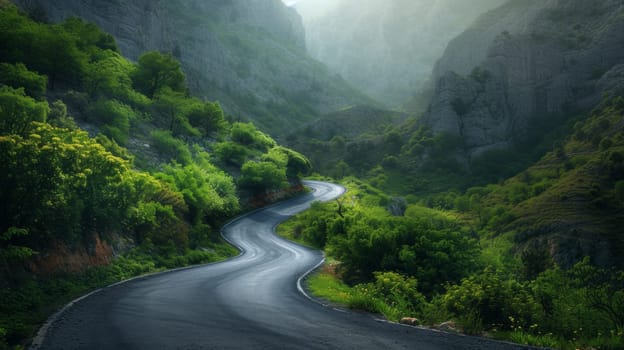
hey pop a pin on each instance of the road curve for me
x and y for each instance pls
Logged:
(249, 302)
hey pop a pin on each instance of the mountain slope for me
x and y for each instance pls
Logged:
(355, 134)
(248, 55)
(545, 61)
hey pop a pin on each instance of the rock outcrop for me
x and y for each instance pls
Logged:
(247, 54)
(526, 61)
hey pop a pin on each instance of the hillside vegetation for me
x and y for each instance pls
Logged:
(248, 55)
(533, 259)
(109, 169)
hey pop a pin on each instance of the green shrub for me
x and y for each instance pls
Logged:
(114, 118)
(230, 152)
(18, 75)
(262, 176)
(171, 147)
(247, 134)
(18, 111)
(493, 299)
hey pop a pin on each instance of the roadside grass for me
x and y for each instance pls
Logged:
(326, 285)
(611, 341)
(291, 231)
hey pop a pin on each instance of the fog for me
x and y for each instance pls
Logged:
(387, 48)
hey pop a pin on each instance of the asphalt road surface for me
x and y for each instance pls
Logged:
(249, 302)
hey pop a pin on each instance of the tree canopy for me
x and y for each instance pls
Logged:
(156, 71)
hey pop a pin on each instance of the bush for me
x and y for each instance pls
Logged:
(18, 75)
(171, 147)
(230, 152)
(262, 176)
(18, 111)
(115, 119)
(156, 71)
(247, 134)
(496, 301)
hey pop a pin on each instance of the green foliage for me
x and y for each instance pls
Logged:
(61, 188)
(206, 116)
(70, 184)
(53, 50)
(10, 253)
(113, 147)
(397, 291)
(496, 301)
(156, 71)
(114, 117)
(432, 254)
(209, 193)
(259, 177)
(366, 238)
(89, 37)
(169, 108)
(17, 75)
(171, 147)
(392, 294)
(18, 111)
(231, 153)
(110, 76)
(58, 116)
(295, 163)
(247, 134)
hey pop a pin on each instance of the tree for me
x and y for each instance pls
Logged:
(262, 176)
(109, 76)
(89, 37)
(295, 163)
(69, 186)
(17, 111)
(169, 106)
(206, 116)
(230, 152)
(59, 57)
(115, 118)
(156, 71)
(208, 191)
(17, 75)
(247, 134)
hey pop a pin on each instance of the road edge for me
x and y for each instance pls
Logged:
(42, 332)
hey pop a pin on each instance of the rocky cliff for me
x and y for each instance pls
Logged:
(525, 62)
(247, 54)
(385, 48)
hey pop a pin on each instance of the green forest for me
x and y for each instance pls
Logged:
(502, 259)
(111, 169)
(113, 163)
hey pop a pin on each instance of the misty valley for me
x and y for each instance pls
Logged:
(312, 174)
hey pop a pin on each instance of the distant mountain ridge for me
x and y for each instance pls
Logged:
(248, 55)
(524, 64)
(385, 48)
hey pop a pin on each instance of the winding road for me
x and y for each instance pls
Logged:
(250, 302)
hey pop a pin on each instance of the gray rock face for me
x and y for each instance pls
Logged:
(247, 54)
(543, 58)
